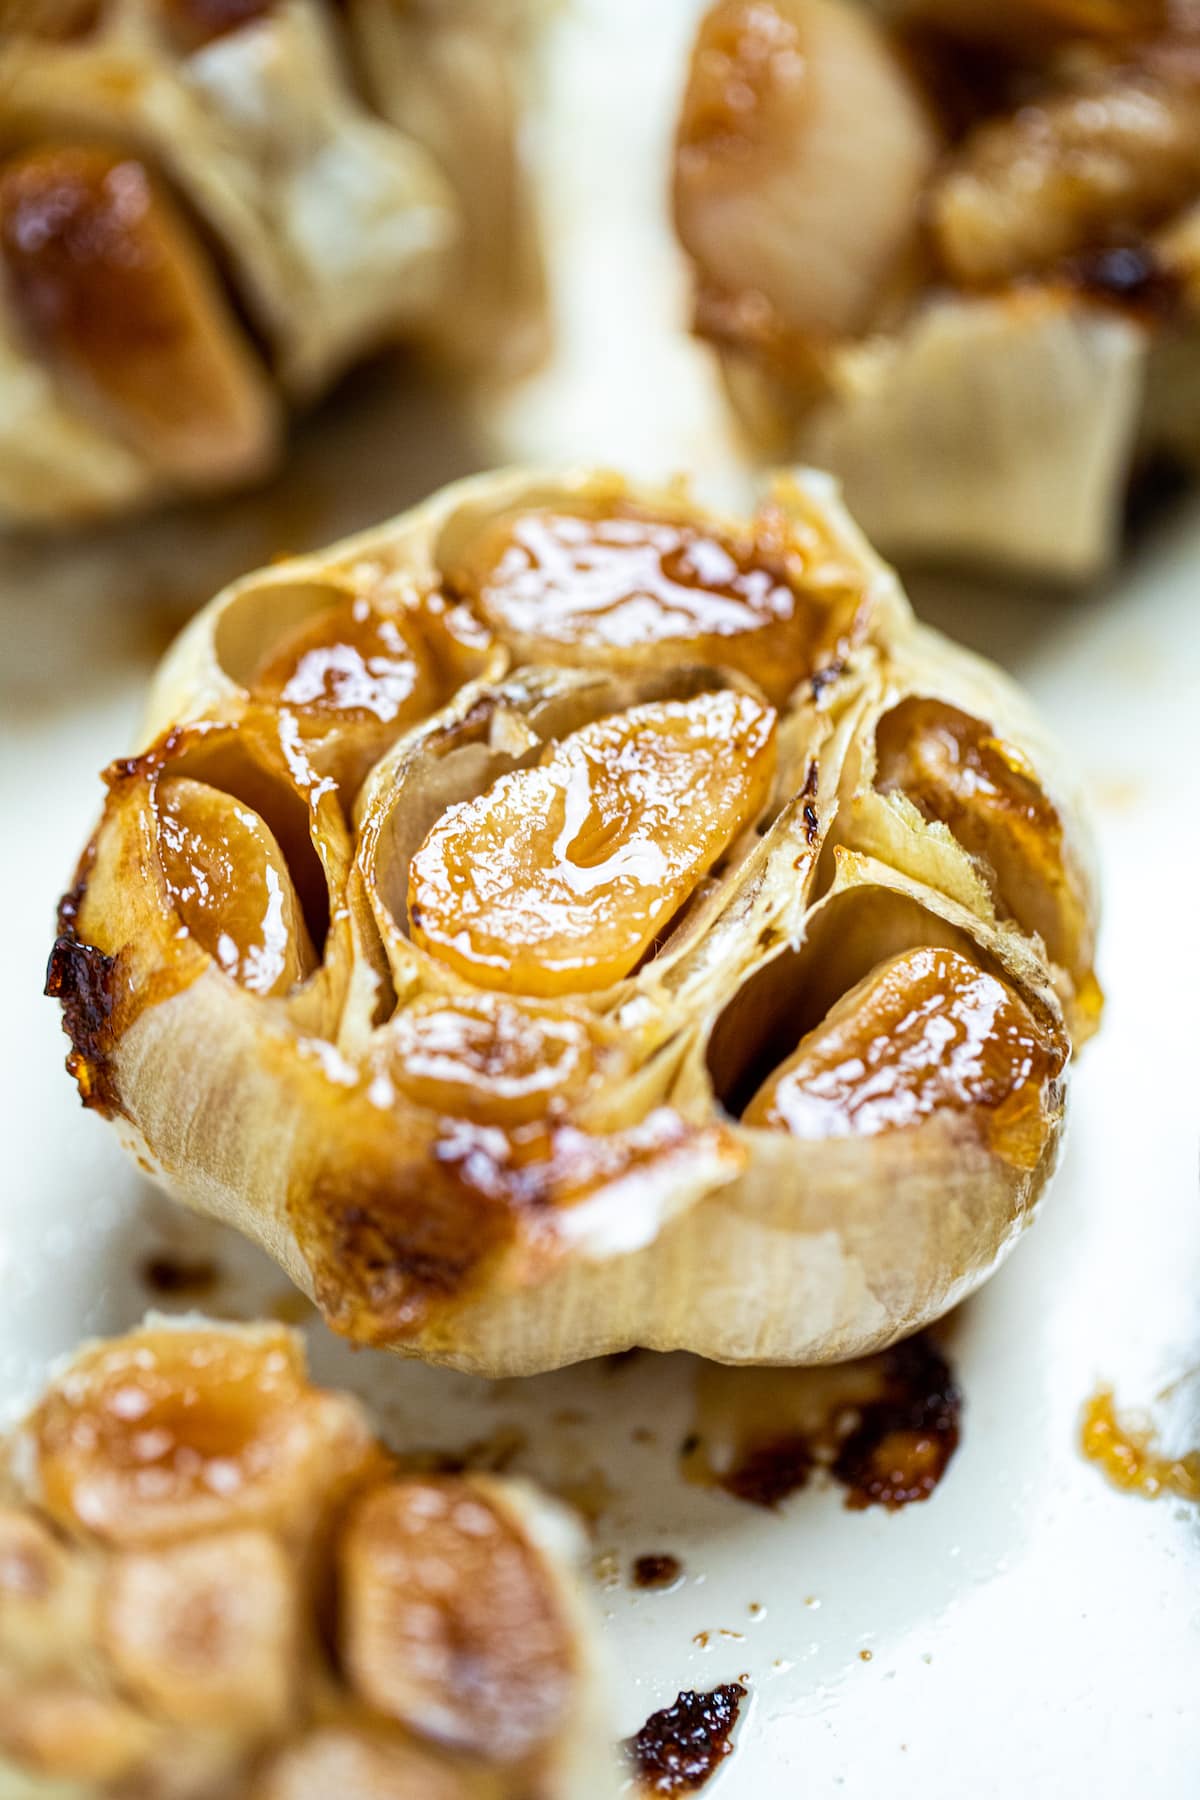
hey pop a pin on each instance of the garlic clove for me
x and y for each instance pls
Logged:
(447, 1624)
(167, 1432)
(205, 1632)
(559, 877)
(928, 1032)
(108, 280)
(1065, 173)
(229, 882)
(364, 1765)
(802, 153)
(615, 588)
(492, 1058)
(955, 769)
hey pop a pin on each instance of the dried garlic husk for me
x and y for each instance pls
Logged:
(948, 252)
(206, 215)
(215, 1583)
(477, 875)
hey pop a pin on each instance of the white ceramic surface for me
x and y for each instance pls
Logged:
(1030, 1630)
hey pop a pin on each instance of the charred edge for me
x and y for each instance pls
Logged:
(812, 824)
(82, 979)
(148, 764)
(72, 901)
(903, 1443)
(679, 1748)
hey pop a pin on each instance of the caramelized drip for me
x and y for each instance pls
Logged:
(656, 1570)
(1129, 1454)
(448, 1623)
(927, 1031)
(227, 879)
(489, 1058)
(678, 1749)
(350, 662)
(611, 587)
(560, 876)
(955, 769)
(109, 280)
(166, 1432)
(885, 1427)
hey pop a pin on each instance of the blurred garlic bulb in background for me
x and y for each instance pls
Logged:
(208, 213)
(215, 1584)
(950, 252)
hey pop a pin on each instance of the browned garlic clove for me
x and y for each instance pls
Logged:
(214, 1583)
(559, 877)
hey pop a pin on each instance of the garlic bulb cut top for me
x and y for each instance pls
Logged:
(216, 1584)
(564, 918)
(946, 250)
(207, 214)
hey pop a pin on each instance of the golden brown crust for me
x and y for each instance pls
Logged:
(214, 1582)
(507, 1153)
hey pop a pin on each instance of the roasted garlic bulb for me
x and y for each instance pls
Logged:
(951, 252)
(564, 919)
(216, 1585)
(208, 211)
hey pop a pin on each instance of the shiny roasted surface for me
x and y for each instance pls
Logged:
(490, 865)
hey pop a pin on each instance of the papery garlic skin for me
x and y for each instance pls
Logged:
(224, 194)
(211, 1588)
(1025, 310)
(507, 1165)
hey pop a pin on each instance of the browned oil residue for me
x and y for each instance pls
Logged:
(656, 1571)
(884, 1427)
(677, 1749)
(1127, 1452)
(176, 1277)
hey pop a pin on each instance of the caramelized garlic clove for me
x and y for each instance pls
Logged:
(167, 1432)
(490, 1058)
(928, 1032)
(110, 283)
(955, 769)
(559, 878)
(206, 1633)
(803, 151)
(448, 1623)
(228, 879)
(613, 586)
(1065, 174)
(349, 664)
